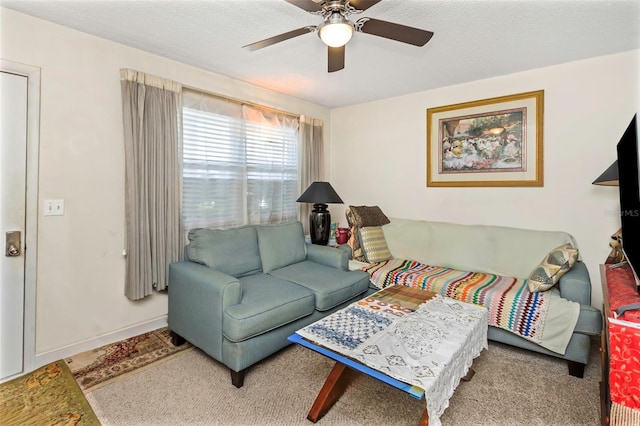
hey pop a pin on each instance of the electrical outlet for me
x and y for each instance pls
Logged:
(53, 207)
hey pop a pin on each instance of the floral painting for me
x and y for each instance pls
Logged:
(490, 142)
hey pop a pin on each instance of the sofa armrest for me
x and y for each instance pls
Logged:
(575, 285)
(198, 297)
(346, 248)
(328, 256)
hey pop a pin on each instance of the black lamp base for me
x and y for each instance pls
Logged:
(320, 224)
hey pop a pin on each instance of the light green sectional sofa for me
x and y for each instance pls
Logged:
(509, 252)
(241, 292)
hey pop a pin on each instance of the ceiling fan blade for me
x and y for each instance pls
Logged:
(363, 4)
(336, 58)
(308, 5)
(277, 39)
(392, 31)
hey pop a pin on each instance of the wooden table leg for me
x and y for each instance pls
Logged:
(333, 388)
(424, 420)
(469, 375)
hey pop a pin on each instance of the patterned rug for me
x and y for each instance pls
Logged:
(47, 396)
(100, 366)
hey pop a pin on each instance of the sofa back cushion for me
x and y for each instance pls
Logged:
(499, 250)
(281, 245)
(232, 251)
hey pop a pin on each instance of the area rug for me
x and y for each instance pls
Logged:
(47, 396)
(100, 366)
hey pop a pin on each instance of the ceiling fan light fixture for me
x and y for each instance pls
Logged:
(337, 31)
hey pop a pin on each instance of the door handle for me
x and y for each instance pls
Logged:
(13, 244)
(13, 250)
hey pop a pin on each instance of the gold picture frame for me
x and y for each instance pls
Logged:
(494, 142)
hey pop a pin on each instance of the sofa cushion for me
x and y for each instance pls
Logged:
(554, 265)
(330, 286)
(267, 303)
(218, 249)
(373, 244)
(281, 245)
(497, 250)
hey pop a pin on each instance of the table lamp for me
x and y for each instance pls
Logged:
(609, 177)
(320, 194)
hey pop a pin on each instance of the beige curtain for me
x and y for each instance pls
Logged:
(151, 109)
(311, 160)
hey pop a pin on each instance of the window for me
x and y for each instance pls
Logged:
(240, 164)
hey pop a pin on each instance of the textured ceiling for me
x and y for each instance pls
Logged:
(473, 40)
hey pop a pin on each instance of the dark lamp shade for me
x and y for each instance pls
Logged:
(320, 193)
(609, 177)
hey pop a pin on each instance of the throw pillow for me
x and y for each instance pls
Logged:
(374, 246)
(554, 265)
(354, 238)
(358, 217)
(368, 216)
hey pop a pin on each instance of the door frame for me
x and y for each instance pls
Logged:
(31, 209)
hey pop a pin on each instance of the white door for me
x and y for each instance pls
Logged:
(13, 163)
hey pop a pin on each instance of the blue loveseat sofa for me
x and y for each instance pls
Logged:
(242, 291)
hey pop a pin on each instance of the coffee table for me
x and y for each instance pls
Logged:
(410, 339)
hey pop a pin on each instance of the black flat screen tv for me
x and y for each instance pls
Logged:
(629, 185)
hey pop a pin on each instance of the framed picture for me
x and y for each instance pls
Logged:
(490, 142)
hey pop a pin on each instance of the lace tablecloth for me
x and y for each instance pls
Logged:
(431, 347)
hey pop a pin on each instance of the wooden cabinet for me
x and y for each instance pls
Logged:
(619, 289)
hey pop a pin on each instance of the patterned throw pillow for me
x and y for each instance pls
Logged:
(554, 265)
(359, 217)
(368, 216)
(374, 246)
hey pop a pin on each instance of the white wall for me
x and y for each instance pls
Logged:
(80, 269)
(379, 154)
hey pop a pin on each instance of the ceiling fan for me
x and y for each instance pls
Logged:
(336, 29)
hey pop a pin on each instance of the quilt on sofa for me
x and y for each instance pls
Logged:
(511, 305)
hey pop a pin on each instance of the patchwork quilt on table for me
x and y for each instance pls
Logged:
(511, 305)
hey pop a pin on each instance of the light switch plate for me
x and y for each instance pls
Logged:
(53, 207)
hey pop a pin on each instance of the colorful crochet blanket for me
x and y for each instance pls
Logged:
(511, 305)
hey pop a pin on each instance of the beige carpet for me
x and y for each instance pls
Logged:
(511, 387)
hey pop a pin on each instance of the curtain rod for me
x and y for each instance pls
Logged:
(241, 102)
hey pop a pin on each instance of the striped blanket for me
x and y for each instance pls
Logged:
(511, 305)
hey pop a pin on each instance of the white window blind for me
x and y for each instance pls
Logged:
(240, 164)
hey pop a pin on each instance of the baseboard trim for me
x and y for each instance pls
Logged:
(95, 342)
